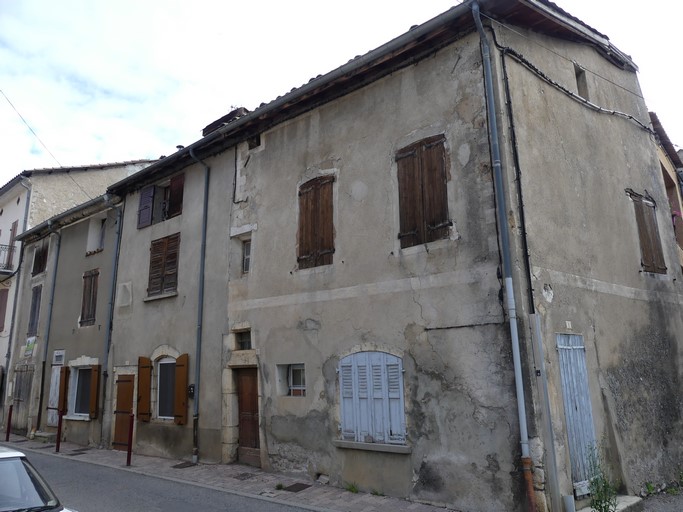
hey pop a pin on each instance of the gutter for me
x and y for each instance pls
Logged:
(47, 327)
(200, 309)
(501, 210)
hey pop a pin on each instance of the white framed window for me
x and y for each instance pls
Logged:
(246, 256)
(79, 388)
(297, 380)
(291, 379)
(371, 398)
(165, 387)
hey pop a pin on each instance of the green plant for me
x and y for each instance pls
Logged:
(650, 488)
(603, 490)
(352, 487)
(279, 487)
(673, 491)
(375, 492)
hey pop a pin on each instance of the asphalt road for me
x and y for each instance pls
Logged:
(663, 503)
(92, 488)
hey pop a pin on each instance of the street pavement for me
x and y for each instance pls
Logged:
(233, 478)
(273, 487)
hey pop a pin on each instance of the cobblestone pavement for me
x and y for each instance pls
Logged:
(233, 478)
(663, 503)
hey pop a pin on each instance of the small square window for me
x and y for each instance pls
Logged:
(246, 256)
(243, 340)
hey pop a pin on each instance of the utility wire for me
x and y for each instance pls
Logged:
(29, 127)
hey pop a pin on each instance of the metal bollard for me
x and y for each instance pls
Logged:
(130, 438)
(59, 431)
(9, 423)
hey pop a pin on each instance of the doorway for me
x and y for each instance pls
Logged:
(248, 449)
(124, 406)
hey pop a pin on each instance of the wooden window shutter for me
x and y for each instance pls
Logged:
(146, 206)
(435, 197)
(650, 215)
(144, 388)
(12, 239)
(94, 389)
(180, 392)
(175, 196)
(306, 249)
(4, 293)
(409, 197)
(89, 301)
(170, 276)
(325, 220)
(63, 389)
(348, 423)
(157, 259)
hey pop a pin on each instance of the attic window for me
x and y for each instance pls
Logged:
(581, 83)
(254, 142)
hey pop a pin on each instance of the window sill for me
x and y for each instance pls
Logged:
(77, 417)
(373, 447)
(426, 247)
(160, 296)
(94, 251)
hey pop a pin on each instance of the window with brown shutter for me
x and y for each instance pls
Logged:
(89, 301)
(651, 253)
(422, 196)
(316, 225)
(144, 388)
(95, 371)
(40, 257)
(180, 389)
(163, 265)
(161, 202)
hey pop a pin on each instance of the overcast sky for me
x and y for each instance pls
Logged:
(103, 81)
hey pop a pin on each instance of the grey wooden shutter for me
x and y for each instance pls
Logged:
(146, 206)
(348, 418)
(89, 300)
(435, 198)
(175, 196)
(409, 197)
(396, 413)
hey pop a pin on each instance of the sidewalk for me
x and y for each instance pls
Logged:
(233, 478)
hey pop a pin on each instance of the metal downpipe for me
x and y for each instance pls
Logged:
(505, 249)
(200, 309)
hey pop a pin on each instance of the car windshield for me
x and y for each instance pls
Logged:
(21, 487)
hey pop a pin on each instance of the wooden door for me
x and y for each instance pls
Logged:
(23, 384)
(248, 451)
(124, 406)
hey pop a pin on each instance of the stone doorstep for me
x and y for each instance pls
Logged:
(45, 437)
(624, 503)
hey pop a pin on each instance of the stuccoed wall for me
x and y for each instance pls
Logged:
(575, 165)
(437, 307)
(141, 327)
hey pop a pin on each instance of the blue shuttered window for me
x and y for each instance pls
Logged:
(372, 408)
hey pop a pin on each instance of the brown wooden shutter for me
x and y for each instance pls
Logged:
(157, 259)
(306, 248)
(146, 206)
(325, 220)
(63, 389)
(650, 215)
(4, 292)
(175, 196)
(94, 389)
(144, 388)
(647, 256)
(409, 197)
(435, 197)
(180, 392)
(89, 301)
(171, 263)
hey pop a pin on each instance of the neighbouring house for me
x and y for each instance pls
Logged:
(446, 271)
(26, 201)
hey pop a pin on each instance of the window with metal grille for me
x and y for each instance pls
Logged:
(652, 256)
(422, 196)
(89, 301)
(297, 380)
(316, 225)
(243, 340)
(163, 265)
(371, 398)
(246, 256)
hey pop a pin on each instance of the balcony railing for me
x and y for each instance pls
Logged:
(7, 258)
